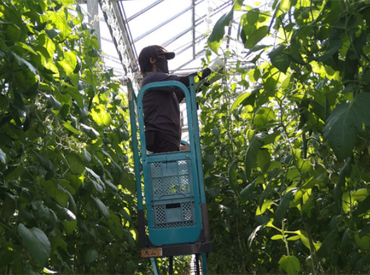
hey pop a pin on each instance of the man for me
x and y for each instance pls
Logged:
(161, 106)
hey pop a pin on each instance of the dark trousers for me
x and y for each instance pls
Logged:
(157, 144)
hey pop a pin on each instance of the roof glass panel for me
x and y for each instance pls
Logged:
(179, 26)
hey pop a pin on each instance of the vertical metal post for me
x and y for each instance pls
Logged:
(197, 264)
(171, 266)
(204, 263)
(135, 146)
(197, 142)
(154, 265)
(93, 11)
(193, 27)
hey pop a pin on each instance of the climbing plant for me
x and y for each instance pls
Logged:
(286, 140)
(66, 185)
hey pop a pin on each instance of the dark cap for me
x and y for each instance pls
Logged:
(168, 55)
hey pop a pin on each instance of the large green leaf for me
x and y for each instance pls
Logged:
(103, 209)
(22, 62)
(251, 156)
(69, 62)
(36, 243)
(283, 207)
(218, 32)
(90, 255)
(263, 116)
(101, 116)
(89, 131)
(328, 244)
(255, 37)
(280, 59)
(75, 163)
(290, 264)
(344, 124)
(238, 101)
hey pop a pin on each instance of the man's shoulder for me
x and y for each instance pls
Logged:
(158, 76)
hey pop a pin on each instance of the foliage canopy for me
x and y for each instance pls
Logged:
(285, 138)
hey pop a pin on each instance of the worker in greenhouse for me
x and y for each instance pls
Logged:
(161, 107)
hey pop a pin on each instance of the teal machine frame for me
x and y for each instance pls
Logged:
(174, 219)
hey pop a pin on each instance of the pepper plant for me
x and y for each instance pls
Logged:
(286, 140)
(66, 184)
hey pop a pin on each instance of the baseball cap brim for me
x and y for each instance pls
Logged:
(168, 55)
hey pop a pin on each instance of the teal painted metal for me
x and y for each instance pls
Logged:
(204, 263)
(171, 182)
(197, 142)
(154, 265)
(135, 145)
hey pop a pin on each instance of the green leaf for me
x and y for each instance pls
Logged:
(70, 226)
(9, 205)
(290, 264)
(98, 183)
(277, 237)
(263, 116)
(52, 102)
(255, 37)
(68, 126)
(362, 207)
(45, 162)
(280, 59)
(283, 207)
(233, 175)
(334, 46)
(75, 163)
(103, 209)
(26, 47)
(47, 271)
(345, 122)
(74, 93)
(251, 155)
(52, 33)
(22, 62)
(69, 62)
(246, 193)
(115, 225)
(218, 32)
(263, 159)
(328, 244)
(238, 5)
(101, 116)
(36, 243)
(52, 187)
(89, 131)
(239, 100)
(294, 238)
(285, 5)
(90, 255)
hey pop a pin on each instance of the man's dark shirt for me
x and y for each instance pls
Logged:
(161, 106)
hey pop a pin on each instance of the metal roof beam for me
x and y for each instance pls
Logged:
(144, 10)
(197, 22)
(162, 24)
(186, 63)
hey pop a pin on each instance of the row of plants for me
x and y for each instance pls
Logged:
(286, 141)
(66, 184)
(285, 136)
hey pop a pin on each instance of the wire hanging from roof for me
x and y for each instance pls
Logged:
(116, 32)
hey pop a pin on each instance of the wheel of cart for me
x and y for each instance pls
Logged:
(173, 217)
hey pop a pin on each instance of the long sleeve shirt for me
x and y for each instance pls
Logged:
(161, 106)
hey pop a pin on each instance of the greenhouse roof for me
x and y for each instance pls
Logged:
(180, 26)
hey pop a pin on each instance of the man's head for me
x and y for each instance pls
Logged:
(154, 58)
